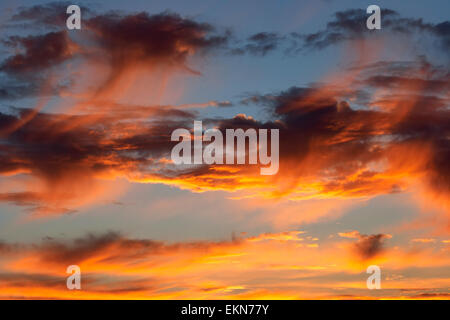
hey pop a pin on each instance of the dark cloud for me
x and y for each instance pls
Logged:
(14, 91)
(111, 246)
(119, 40)
(38, 52)
(17, 279)
(129, 40)
(171, 38)
(346, 25)
(260, 44)
(318, 123)
(77, 251)
(112, 249)
(315, 122)
(10, 248)
(30, 86)
(395, 82)
(442, 30)
(49, 15)
(328, 132)
(20, 198)
(165, 38)
(34, 201)
(369, 246)
(351, 25)
(433, 295)
(56, 148)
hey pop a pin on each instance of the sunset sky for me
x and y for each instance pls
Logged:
(86, 176)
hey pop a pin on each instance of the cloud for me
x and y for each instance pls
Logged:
(283, 236)
(48, 15)
(351, 25)
(109, 248)
(319, 128)
(367, 246)
(55, 148)
(351, 234)
(121, 45)
(374, 128)
(328, 148)
(114, 266)
(260, 44)
(346, 26)
(145, 40)
(433, 295)
(18, 91)
(165, 36)
(352, 135)
(39, 52)
(423, 240)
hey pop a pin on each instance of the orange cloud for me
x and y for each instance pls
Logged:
(374, 128)
(116, 267)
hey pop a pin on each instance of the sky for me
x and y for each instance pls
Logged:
(86, 176)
